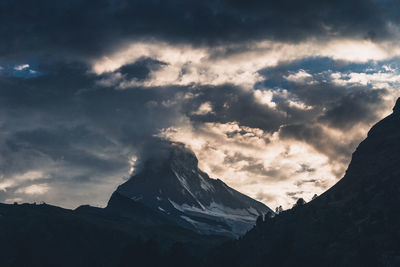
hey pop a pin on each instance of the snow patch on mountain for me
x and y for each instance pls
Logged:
(205, 185)
(187, 187)
(238, 220)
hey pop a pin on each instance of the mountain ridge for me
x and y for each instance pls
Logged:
(176, 186)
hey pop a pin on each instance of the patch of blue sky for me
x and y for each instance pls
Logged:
(320, 68)
(21, 70)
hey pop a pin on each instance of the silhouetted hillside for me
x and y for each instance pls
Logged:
(355, 223)
(44, 235)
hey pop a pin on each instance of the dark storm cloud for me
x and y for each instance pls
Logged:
(88, 28)
(357, 106)
(338, 106)
(141, 69)
(315, 136)
(64, 126)
(229, 103)
(341, 106)
(76, 146)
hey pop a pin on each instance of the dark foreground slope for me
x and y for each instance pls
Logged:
(355, 223)
(44, 235)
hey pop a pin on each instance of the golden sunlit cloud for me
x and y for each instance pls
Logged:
(254, 161)
(186, 65)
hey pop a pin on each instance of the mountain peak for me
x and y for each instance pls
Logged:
(172, 184)
(169, 154)
(179, 154)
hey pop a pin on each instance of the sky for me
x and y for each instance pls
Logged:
(272, 96)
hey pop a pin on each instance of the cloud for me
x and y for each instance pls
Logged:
(272, 96)
(357, 106)
(111, 23)
(21, 67)
(166, 64)
(253, 159)
(204, 109)
(79, 138)
(86, 139)
(306, 121)
(30, 175)
(301, 77)
(35, 189)
(377, 80)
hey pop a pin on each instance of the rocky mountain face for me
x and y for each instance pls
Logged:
(355, 223)
(374, 170)
(176, 188)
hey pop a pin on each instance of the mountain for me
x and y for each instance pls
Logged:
(175, 187)
(354, 223)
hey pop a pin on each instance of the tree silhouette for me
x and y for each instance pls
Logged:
(300, 202)
(278, 209)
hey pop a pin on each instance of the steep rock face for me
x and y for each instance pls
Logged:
(374, 170)
(177, 188)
